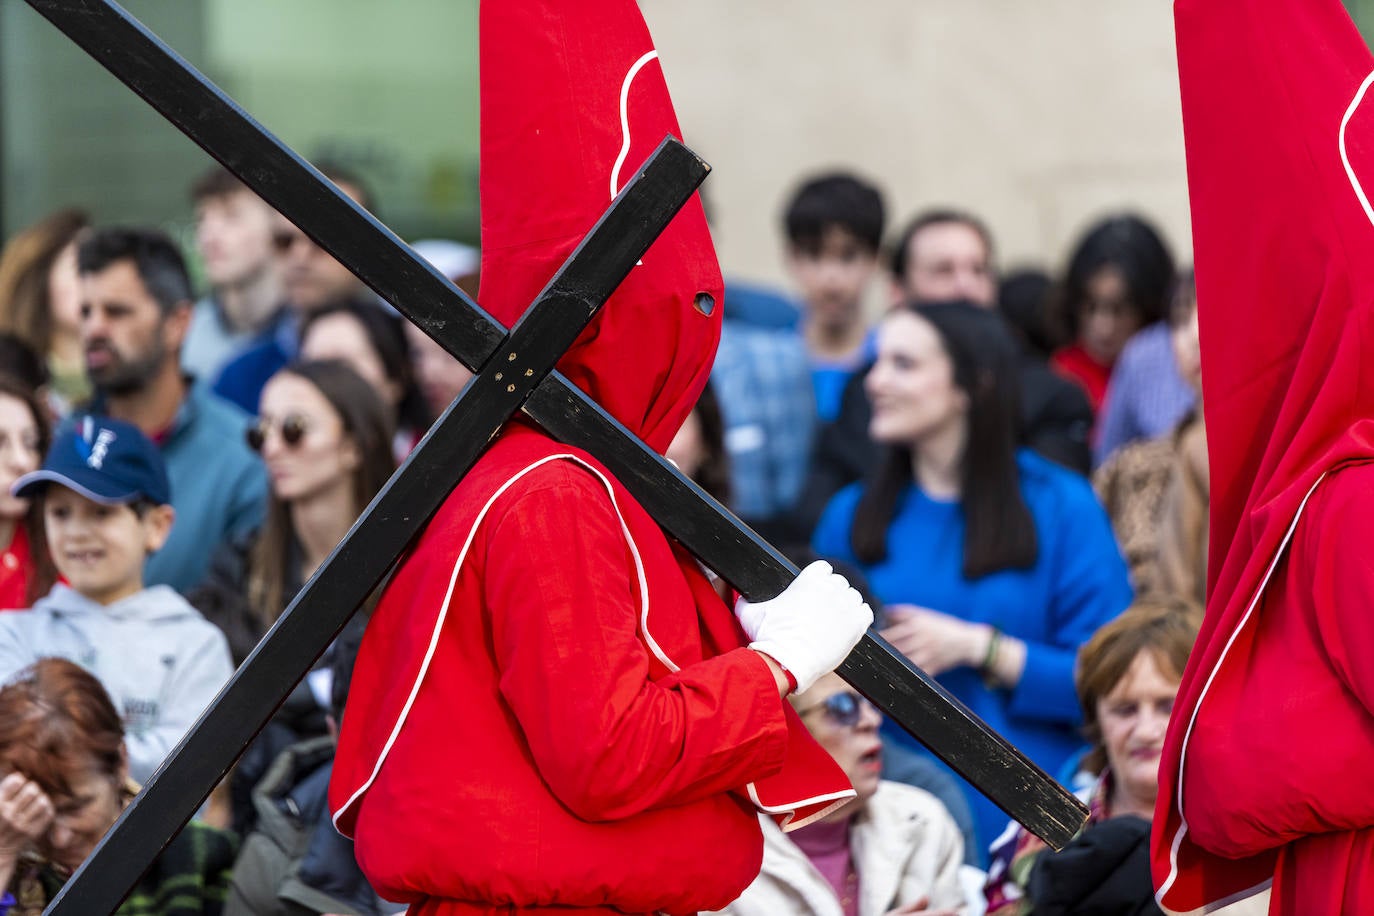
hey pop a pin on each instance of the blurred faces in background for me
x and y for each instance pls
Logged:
(944, 256)
(302, 441)
(126, 334)
(311, 276)
(234, 233)
(1184, 333)
(911, 386)
(40, 299)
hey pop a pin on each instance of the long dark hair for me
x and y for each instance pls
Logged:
(43, 574)
(1132, 246)
(999, 532)
(367, 421)
(386, 333)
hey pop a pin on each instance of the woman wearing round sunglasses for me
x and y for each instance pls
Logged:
(994, 564)
(325, 437)
(893, 850)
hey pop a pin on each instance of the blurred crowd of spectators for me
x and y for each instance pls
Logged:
(1011, 465)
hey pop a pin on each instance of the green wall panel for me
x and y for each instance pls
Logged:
(388, 89)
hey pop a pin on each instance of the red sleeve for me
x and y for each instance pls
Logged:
(1335, 547)
(609, 741)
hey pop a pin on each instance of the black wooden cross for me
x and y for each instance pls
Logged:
(513, 373)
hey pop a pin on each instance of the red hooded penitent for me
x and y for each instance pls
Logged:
(552, 707)
(1263, 772)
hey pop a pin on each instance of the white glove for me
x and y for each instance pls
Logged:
(809, 628)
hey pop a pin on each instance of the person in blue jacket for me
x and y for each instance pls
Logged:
(994, 563)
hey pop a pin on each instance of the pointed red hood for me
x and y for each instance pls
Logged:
(569, 112)
(1280, 144)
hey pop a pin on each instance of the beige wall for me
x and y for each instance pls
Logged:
(1037, 114)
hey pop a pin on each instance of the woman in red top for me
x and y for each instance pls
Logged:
(1119, 280)
(25, 573)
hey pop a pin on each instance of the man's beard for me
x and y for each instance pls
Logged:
(123, 377)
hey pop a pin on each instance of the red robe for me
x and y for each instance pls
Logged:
(1259, 779)
(552, 707)
(1298, 691)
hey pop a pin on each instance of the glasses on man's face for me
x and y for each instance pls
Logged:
(292, 427)
(844, 708)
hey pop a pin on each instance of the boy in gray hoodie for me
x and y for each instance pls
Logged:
(106, 507)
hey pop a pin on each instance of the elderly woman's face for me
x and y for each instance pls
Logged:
(846, 725)
(82, 818)
(1133, 718)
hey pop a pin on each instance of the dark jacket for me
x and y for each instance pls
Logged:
(295, 862)
(1104, 871)
(222, 597)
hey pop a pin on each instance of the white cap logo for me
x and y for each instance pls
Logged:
(94, 453)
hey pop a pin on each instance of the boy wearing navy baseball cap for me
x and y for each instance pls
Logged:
(106, 506)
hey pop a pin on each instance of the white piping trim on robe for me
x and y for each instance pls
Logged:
(625, 119)
(1192, 720)
(1345, 159)
(791, 822)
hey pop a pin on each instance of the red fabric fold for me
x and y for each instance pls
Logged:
(1285, 292)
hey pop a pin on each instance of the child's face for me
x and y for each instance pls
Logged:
(100, 549)
(832, 279)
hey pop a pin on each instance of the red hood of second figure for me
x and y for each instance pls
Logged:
(1280, 145)
(568, 116)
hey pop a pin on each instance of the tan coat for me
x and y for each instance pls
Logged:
(1156, 493)
(905, 846)
(1183, 524)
